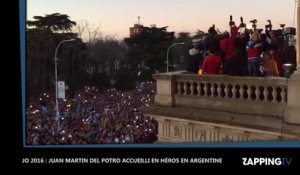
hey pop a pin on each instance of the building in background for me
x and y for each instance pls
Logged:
(136, 29)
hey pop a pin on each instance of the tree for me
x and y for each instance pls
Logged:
(149, 47)
(184, 37)
(199, 34)
(105, 53)
(43, 36)
(178, 53)
(54, 22)
(89, 32)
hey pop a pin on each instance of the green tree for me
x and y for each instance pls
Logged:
(149, 47)
(199, 34)
(54, 22)
(43, 35)
(178, 53)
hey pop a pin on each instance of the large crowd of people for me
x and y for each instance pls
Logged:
(96, 116)
(93, 116)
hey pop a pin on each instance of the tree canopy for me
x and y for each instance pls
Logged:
(55, 22)
(149, 47)
(43, 37)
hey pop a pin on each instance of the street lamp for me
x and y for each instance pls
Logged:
(174, 44)
(55, 61)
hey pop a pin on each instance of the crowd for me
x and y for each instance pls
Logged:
(242, 51)
(93, 116)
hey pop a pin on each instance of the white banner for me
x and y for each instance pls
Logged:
(61, 89)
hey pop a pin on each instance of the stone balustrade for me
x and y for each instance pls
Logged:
(246, 95)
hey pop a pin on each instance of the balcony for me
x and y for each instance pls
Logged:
(216, 108)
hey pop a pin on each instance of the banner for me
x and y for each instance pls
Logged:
(61, 89)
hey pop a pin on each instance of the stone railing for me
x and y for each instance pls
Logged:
(245, 95)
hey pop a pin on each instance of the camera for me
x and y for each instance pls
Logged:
(254, 21)
(242, 22)
(231, 22)
(289, 31)
(269, 26)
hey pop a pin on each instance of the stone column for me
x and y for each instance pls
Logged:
(165, 89)
(293, 104)
(298, 34)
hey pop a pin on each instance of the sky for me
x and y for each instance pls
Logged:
(114, 17)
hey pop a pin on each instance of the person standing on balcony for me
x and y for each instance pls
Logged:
(277, 58)
(195, 58)
(253, 52)
(212, 62)
(227, 45)
(238, 62)
(269, 65)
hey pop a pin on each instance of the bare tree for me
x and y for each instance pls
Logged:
(88, 32)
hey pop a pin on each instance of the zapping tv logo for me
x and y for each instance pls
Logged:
(263, 161)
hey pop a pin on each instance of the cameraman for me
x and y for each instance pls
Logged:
(195, 58)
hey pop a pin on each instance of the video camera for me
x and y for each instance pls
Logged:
(242, 22)
(268, 26)
(288, 30)
(231, 22)
(254, 21)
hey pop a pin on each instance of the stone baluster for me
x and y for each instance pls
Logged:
(185, 87)
(257, 92)
(219, 90)
(274, 95)
(199, 88)
(249, 92)
(191, 89)
(234, 92)
(212, 89)
(242, 91)
(226, 89)
(265, 94)
(205, 89)
(178, 87)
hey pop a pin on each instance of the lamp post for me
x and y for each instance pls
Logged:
(174, 44)
(55, 61)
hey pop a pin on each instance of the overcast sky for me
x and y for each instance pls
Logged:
(116, 16)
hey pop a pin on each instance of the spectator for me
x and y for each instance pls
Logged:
(277, 58)
(269, 65)
(227, 47)
(93, 117)
(212, 62)
(195, 58)
(238, 62)
(253, 52)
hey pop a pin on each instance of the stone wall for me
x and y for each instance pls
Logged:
(178, 130)
(220, 108)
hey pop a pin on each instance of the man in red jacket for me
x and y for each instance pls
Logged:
(227, 45)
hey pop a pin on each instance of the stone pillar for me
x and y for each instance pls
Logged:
(293, 104)
(298, 34)
(165, 89)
